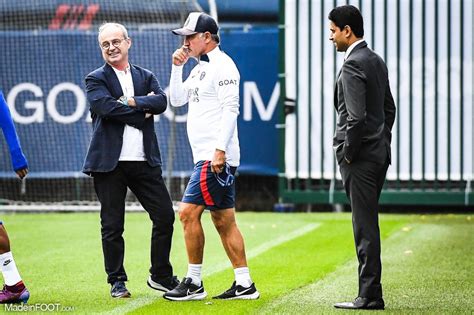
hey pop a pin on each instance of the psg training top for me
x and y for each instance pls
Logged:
(212, 94)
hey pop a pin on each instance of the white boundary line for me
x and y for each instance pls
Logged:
(254, 252)
(143, 301)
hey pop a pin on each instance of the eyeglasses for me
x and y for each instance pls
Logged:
(115, 42)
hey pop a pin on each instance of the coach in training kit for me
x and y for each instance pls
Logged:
(212, 93)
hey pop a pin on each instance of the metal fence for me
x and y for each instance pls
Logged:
(428, 48)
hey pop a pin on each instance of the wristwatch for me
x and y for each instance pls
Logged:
(123, 99)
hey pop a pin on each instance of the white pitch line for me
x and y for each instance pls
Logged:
(254, 252)
(132, 305)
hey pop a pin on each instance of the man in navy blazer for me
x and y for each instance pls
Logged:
(124, 152)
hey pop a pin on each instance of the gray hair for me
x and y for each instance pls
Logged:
(216, 38)
(117, 25)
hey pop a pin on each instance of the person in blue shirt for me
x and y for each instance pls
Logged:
(14, 290)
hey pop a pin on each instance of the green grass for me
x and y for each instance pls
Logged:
(427, 263)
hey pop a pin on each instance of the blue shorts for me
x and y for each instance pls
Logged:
(204, 188)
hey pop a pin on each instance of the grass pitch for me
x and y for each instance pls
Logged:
(302, 263)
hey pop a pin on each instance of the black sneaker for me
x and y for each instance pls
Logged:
(119, 290)
(163, 285)
(186, 291)
(238, 292)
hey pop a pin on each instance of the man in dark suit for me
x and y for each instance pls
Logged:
(123, 153)
(366, 112)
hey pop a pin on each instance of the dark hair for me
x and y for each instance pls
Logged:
(348, 15)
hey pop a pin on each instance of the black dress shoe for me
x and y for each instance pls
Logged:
(119, 290)
(361, 303)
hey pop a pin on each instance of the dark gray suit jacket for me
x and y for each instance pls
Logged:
(109, 116)
(365, 108)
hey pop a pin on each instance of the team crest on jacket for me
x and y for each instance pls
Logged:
(203, 74)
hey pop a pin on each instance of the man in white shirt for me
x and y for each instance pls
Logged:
(124, 153)
(212, 94)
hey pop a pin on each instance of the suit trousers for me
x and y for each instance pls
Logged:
(148, 186)
(363, 182)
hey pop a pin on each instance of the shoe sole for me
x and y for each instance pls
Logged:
(156, 286)
(23, 299)
(193, 297)
(253, 296)
(346, 307)
(123, 296)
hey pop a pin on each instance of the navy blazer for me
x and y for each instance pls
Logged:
(109, 116)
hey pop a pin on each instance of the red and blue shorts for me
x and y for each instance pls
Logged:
(214, 191)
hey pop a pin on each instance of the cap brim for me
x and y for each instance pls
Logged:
(183, 31)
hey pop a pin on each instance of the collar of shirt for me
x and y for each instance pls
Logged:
(351, 47)
(122, 72)
(210, 55)
(126, 81)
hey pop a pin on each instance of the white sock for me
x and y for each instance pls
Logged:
(9, 270)
(194, 272)
(242, 277)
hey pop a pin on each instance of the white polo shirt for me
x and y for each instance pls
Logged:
(132, 146)
(212, 94)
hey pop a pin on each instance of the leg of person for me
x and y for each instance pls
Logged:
(364, 202)
(111, 190)
(14, 290)
(190, 212)
(149, 187)
(233, 242)
(190, 217)
(219, 195)
(360, 180)
(192, 287)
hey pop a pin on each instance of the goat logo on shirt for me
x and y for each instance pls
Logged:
(228, 81)
(193, 95)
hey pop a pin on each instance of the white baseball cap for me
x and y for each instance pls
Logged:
(197, 22)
